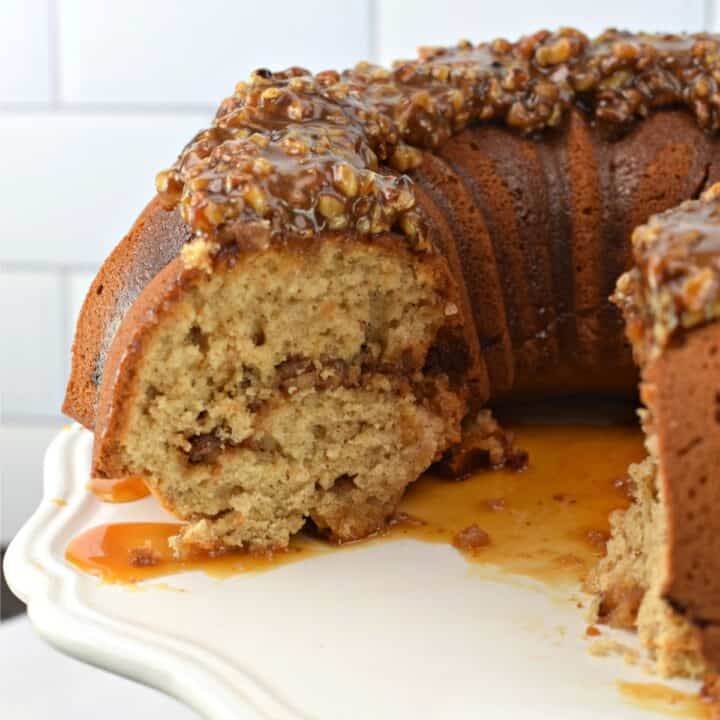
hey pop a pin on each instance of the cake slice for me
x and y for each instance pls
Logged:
(662, 571)
(312, 381)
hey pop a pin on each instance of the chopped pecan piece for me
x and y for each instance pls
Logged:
(204, 448)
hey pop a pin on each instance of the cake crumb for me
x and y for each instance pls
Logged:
(710, 694)
(403, 518)
(471, 538)
(484, 445)
(143, 557)
(598, 538)
(197, 255)
(607, 646)
(495, 504)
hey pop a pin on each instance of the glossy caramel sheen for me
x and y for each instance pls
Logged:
(675, 282)
(658, 698)
(291, 153)
(132, 552)
(118, 490)
(549, 521)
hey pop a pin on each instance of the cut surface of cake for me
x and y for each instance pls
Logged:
(307, 383)
(339, 274)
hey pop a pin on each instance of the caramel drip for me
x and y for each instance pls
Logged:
(133, 552)
(549, 522)
(119, 490)
(655, 697)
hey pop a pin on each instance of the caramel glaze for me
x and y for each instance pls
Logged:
(674, 284)
(132, 552)
(292, 153)
(548, 522)
(656, 697)
(118, 490)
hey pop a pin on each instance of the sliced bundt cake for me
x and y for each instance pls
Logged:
(345, 267)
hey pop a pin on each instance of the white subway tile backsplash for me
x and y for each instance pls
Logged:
(184, 51)
(401, 29)
(24, 51)
(78, 182)
(31, 368)
(22, 448)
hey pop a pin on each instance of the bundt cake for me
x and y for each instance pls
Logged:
(339, 273)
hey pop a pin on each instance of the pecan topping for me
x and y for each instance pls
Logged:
(675, 284)
(292, 154)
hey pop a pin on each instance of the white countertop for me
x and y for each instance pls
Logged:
(37, 682)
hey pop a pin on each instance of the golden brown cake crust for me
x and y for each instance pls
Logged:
(682, 389)
(154, 240)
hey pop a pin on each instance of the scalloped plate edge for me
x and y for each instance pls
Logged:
(49, 587)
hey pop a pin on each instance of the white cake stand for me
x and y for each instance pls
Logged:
(391, 630)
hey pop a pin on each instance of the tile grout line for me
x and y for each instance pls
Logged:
(35, 421)
(109, 109)
(21, 266)
(373, 40)
(65, 330)
(53, 54)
